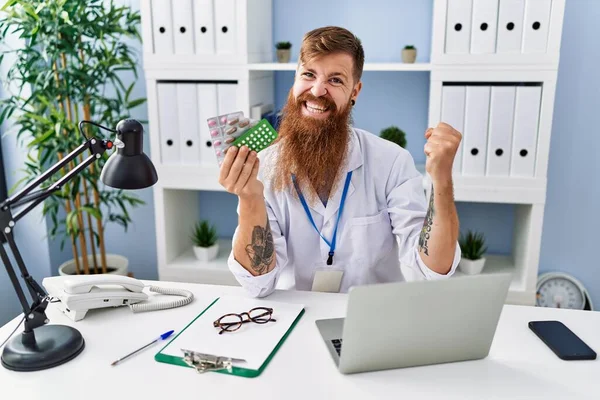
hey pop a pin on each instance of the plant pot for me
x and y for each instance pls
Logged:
(206, 253)
(409, 55)
(283, 55)
(115, 264)
(471, 267)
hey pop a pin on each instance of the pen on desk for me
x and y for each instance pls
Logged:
(161, 337)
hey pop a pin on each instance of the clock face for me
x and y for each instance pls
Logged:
(560, 293)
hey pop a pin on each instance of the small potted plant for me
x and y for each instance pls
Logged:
(283, 51)
(395, 135)
(409, 54)
(473, 248)
(204, 237)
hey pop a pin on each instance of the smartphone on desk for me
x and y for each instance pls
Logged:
(562, 341)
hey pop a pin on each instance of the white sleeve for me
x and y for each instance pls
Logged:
(262, 285)
(407, 207)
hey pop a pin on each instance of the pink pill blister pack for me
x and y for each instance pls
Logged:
(224, 129)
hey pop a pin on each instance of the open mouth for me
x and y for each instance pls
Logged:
(315, 108)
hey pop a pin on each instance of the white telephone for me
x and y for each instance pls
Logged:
(80, 293)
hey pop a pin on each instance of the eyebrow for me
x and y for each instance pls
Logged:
(330, 75)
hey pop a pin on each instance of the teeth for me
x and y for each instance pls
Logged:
(314, 108)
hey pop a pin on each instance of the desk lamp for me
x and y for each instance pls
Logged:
(42, 346)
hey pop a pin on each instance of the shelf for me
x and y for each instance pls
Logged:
(494, 189)
(367, 67)
(466, 188)
(187, 268)
(497, 264)
(188, 177)
(176, 67)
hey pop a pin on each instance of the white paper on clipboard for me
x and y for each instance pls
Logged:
(252, 342)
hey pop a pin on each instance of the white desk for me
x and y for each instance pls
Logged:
(519, 366)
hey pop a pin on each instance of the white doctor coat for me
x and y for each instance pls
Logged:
(379, 228)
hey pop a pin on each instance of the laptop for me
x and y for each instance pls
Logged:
(408, 324)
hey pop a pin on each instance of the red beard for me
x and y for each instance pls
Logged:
(312, 149)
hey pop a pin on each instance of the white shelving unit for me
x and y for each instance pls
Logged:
(246, 61)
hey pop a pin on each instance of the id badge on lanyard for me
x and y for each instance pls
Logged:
(327, 278)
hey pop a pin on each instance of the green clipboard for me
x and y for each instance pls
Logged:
(244, 372)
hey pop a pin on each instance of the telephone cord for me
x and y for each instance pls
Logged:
(188, 297)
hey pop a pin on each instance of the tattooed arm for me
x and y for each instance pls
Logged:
(437, 242)
(439, 235)
(254, 247)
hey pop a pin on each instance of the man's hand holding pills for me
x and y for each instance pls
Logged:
(440, 149)
(239, 173)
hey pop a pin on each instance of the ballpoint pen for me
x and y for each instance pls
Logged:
(161, 337)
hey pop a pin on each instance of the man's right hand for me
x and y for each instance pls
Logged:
(239, 173)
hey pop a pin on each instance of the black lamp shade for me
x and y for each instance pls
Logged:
(128, 167)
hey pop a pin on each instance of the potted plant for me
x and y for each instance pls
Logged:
(204, 237)
(283, 51)
(409, 54)
(68, 67)
(395, 135)
(473, 248)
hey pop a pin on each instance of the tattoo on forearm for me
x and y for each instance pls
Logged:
(261, 250)
(426, 230)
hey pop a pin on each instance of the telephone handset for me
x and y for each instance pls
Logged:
(85, 283)
(80, 293)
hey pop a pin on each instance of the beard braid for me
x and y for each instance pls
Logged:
(312, 149)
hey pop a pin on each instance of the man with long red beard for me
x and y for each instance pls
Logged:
(329, 206)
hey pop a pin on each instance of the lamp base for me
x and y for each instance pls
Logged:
(48, 347)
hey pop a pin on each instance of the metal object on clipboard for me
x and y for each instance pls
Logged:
(208, 362)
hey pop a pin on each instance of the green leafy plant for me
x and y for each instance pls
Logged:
(472, 245)
(395, 135)
(409, 47)
(283, 45)
(67, 66)
(204, 234)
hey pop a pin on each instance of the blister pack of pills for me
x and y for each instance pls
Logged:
(234, 129)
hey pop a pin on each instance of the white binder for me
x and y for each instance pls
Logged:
(204, 27)
(458, 26)
(207, 108)
(227, 98)
(502, 105)
(525, 131)
(477, 102)
(183, 29)
(510, 26)
(535, 31)
(187, 121)
(162, 27)
(167, 123)
(225, 25)
(485, 24)
(453, 113)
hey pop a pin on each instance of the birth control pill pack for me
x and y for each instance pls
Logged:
(234, 129)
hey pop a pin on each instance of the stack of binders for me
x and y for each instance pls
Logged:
(184, 108)
(499, 125)
(497, 26)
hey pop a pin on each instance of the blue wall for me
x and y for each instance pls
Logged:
(571, 219)
(401, 98)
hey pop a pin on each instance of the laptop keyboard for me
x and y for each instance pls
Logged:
(337, 344)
